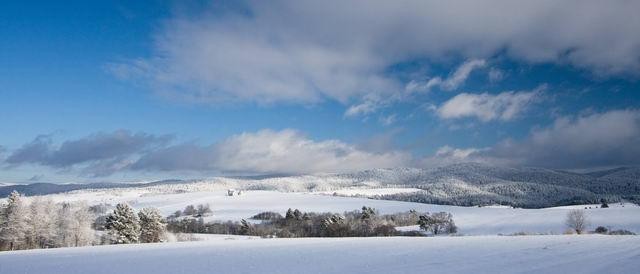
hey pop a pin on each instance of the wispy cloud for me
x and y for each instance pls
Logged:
(452, 82)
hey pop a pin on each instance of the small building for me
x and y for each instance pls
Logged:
(234, 192)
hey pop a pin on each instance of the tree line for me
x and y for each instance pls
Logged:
(366, 222)
(42, 223)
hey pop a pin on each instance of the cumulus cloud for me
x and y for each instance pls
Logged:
(309, 51)
(268, 151)
(594, 140)
(486, 107)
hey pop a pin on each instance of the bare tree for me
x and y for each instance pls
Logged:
(577, 220)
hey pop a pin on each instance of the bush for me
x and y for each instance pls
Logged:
(601, 230)
(267, 215)
(621, 232)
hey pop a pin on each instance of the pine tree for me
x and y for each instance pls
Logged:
(152, 226)
(123, 225)
(245, 227)
(289, 215)
(297, 214)
(14, 222)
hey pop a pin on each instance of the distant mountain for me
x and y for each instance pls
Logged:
(51, 188)
(467, 184)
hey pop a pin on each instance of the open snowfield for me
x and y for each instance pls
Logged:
(470, 220)
(367, 192)
(475, 254)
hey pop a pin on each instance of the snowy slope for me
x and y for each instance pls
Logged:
(485, 254)
(470, 220)
(457, 184)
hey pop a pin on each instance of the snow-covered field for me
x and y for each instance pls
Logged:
(470, 220)
(367, 192)
(475, 254)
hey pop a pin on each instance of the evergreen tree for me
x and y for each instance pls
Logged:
(297, 214)
(152, 226)
(367, 213)
(123, 225)
(245, 227)
(289, 215)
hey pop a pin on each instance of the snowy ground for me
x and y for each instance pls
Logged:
(370, 191)
(470, 220)
(476, 254)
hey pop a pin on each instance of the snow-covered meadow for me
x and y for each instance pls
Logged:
(469, 254)
(491, 220)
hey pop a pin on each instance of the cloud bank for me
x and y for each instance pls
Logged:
(265, 151)
(593, 140)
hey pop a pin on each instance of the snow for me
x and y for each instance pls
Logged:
(368, 192)
(470, 220)
(476, 254)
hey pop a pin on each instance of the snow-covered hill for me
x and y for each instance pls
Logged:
(485, 254)
(470, 220)
(458, 184)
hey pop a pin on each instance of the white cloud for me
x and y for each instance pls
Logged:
(462, 73)
(369, 105)
(455, 80)
(446, 155)
(388, 120)
(456, 153)
(268, 151)
(594, 140)
(504, 106)
(310, 51)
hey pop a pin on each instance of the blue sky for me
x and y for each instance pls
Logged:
(120, 90)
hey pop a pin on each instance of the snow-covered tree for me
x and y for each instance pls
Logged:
(81, 231)
(123, 225)
(437, 223)
(64, 226)
(14, 222)
(297, 214)
(367, 213)
(152, 226)
(289, 215)
(577, 220)
(42, 227)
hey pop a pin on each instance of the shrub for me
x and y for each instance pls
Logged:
(621, 232)
(267, 215)
(601, 230)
